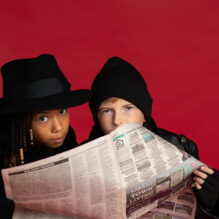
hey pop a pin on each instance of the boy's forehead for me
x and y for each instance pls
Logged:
(111, 100)
(114, 100)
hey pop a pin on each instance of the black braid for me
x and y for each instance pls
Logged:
(24, 134)
(3, 139)
(17, 140)
(11, 140)
(18, 126)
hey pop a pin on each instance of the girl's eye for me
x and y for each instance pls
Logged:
(63, 111)
(43, 118)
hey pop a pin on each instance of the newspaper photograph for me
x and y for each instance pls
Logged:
(129, 173)
(179, 206)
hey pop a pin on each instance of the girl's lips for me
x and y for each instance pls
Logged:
(58, 140)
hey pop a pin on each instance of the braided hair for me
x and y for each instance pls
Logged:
(17, 144)
(17, 139)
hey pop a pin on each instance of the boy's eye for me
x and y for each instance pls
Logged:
(106, 111)
(63, 111)
(43, 118)
(128, 107)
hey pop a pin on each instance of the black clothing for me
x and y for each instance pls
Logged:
(7, 205)
(181, 142)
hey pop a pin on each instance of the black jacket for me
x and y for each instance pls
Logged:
(182, 142)
(7, 205)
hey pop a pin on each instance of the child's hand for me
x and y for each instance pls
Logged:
(207, 186)
(201, 175)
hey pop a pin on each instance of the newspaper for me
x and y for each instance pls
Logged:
(129, 173)
(180, 206)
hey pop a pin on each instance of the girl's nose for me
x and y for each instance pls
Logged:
(56, 126)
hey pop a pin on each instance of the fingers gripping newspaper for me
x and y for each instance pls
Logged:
(129, 173)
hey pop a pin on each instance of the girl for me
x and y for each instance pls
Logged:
(34, 114)
(120, 96)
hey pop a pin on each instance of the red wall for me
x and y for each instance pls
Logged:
(174, 44)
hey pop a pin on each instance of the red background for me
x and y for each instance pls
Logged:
(174, 44)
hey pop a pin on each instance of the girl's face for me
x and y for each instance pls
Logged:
(50, 127)
(114, 112)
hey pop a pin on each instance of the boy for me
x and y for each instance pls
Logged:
(120, 96)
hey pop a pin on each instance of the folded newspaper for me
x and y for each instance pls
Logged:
(129, 173)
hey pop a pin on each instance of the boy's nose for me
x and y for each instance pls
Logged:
(57, 126)
(118, 119)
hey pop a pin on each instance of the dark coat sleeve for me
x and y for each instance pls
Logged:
(182, 142)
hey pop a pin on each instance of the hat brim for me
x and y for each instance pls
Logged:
(57, 101)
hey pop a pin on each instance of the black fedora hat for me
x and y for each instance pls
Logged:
(36, 84)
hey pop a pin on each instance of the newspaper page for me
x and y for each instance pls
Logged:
(81, 183)
(179, 206)
(25, 213)
(124, 174)
(152, 168)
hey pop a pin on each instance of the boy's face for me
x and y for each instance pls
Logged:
(50, 127)
(114, 112)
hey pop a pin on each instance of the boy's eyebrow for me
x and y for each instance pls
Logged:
(102, 108)
(128, 104)
(108, 107)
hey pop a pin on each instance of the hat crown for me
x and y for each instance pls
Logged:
(118, 78)
(36, 84)
(22, 72)
(117, 70)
